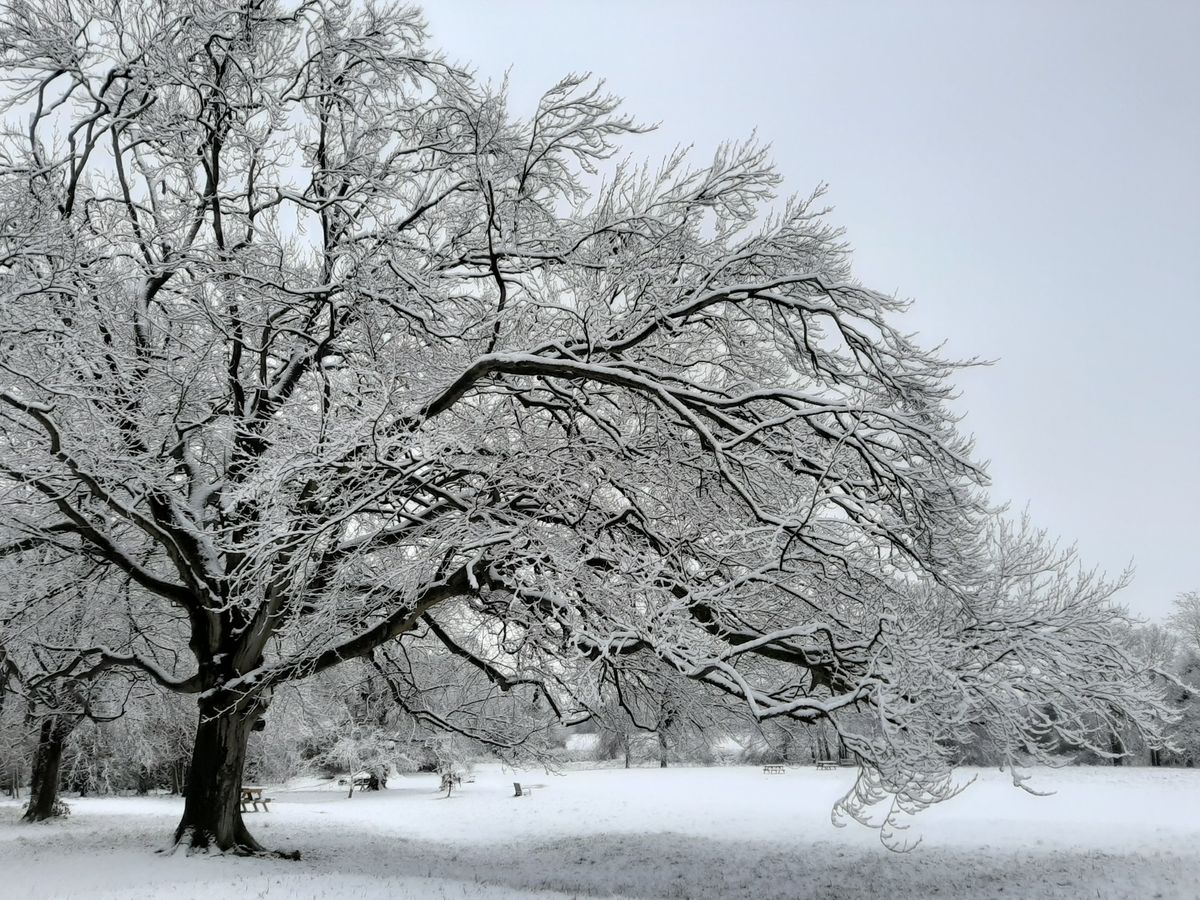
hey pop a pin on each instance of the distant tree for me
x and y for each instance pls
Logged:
(309, 339)
(61, 603)
(1158, 648)
(1184, 693)
(647, 708)
(145, 749)
(1185, 619)
(1156, 645)
(619, 737)
(12, 750)
(1184, 734)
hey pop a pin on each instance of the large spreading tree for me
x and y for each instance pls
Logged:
(311, 340)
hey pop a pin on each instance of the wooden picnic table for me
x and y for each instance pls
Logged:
(840, 762)
(252, 798)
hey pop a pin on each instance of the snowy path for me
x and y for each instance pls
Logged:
(675, 833)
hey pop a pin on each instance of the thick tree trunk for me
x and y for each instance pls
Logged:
(43, 785)
(212, 816)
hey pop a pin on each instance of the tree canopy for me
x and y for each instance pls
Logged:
(325, 352)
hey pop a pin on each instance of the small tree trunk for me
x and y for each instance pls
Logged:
(179, 775)
(212, 813)
(43, 785)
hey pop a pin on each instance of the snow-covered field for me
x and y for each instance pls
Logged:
(673, 833)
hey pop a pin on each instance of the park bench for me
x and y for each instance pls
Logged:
(525, 790)
(826, 764)
(252, 798)
(773, 770)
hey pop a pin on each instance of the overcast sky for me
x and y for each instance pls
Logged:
(1027, 172)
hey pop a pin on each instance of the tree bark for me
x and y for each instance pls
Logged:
(47, 759)
(212, 814)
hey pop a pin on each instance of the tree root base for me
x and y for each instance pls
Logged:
(193, 844)
(238, 850)
(59, 810)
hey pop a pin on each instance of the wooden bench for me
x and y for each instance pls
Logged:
(826, 764)
(773, 770)
(525, 790)
(252, 798)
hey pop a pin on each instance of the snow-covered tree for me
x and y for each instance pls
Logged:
(49, 605)
(1184, 692)
(1185, 696)
(646, 708)
(1185, 619)
(310, 339)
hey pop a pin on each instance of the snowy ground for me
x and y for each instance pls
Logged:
(674, 833)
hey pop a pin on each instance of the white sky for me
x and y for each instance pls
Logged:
(1027, 172)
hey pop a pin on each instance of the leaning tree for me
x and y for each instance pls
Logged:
(318, 345)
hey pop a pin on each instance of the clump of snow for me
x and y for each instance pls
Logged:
(697, 833)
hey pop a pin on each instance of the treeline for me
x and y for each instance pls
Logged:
(351, 721)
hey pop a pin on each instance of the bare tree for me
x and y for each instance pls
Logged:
(318, 346)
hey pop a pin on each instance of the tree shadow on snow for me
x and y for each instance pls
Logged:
(669, 865)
